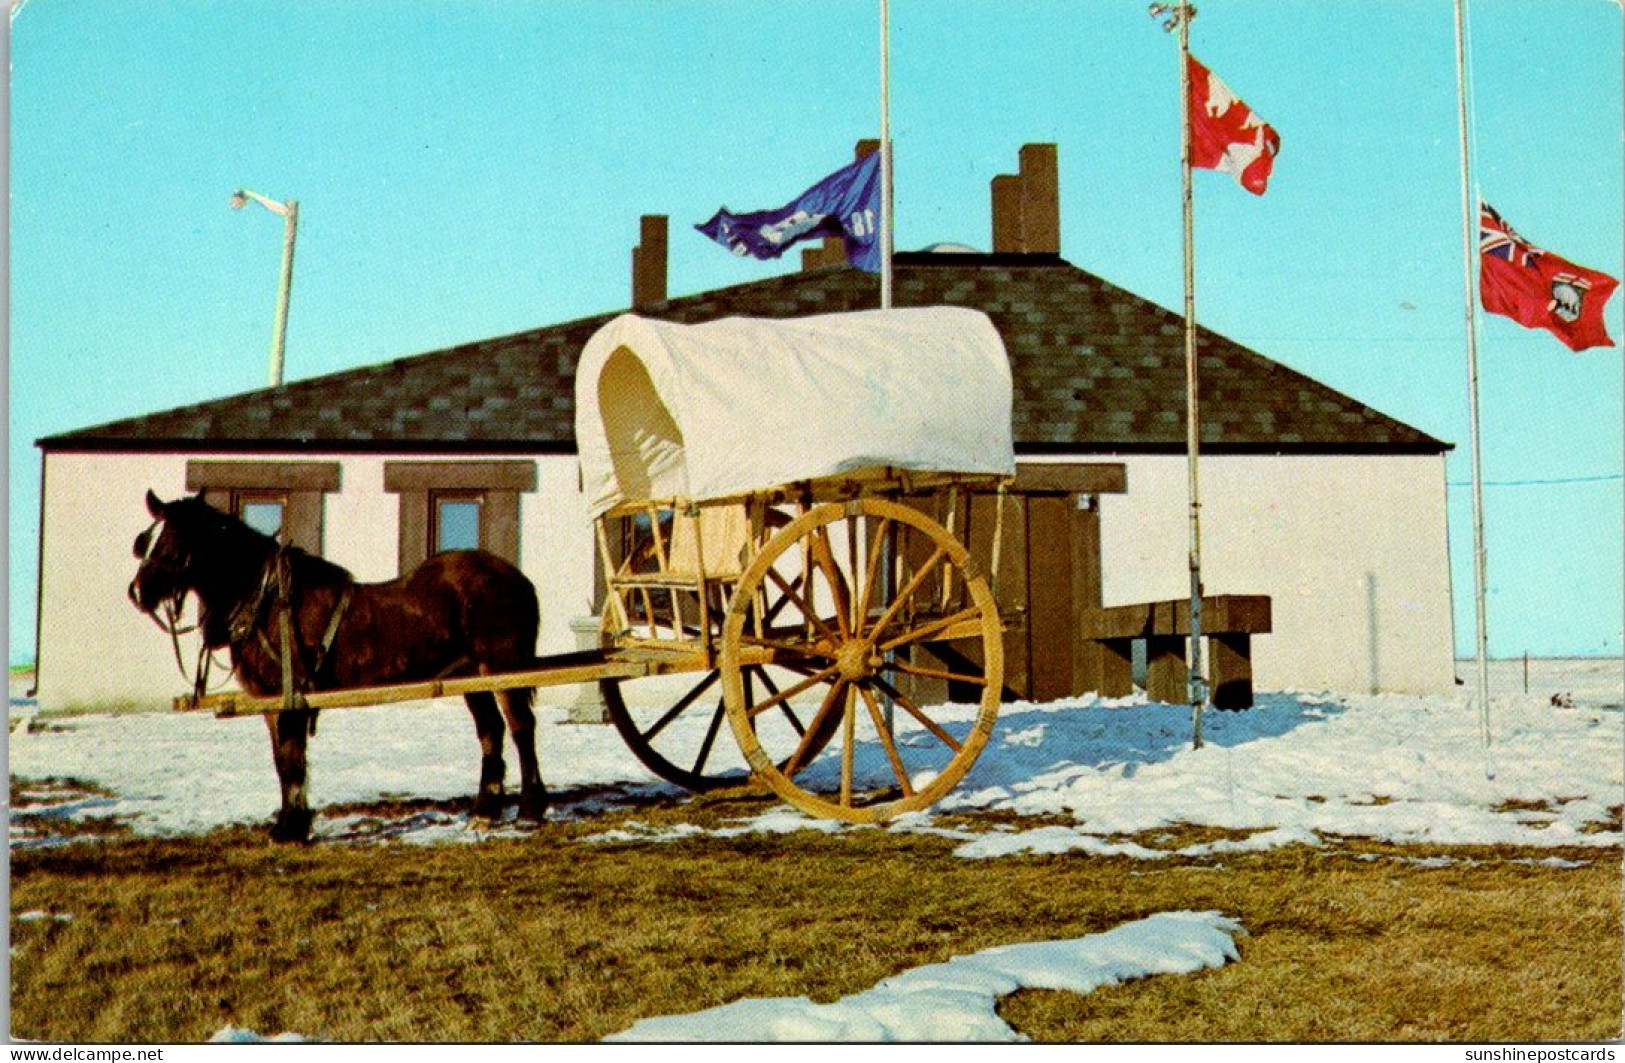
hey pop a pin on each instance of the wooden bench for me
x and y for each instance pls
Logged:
(1228, 623)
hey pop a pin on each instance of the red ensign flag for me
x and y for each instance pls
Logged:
(1538, 289)
(1225, 133)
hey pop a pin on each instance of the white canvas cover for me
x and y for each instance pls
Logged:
(667, 411)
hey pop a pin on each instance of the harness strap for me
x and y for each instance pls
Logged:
(288, 653)
(332, 632)
(292, 697)
(245, 618)
(328, 637)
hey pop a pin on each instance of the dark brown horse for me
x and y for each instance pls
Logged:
(462, 613)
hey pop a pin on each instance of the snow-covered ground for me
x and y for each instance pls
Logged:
(1297, 768)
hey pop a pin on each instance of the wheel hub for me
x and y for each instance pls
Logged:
(857, 660)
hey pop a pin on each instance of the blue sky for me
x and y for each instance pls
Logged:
(467, 168)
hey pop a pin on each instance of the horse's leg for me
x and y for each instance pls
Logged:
(522, 722)
(488, 725)
(289, 731)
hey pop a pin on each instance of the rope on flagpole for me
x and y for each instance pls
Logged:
(1469, 250)
(885, 157)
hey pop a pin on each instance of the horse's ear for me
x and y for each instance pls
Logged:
(154, 505)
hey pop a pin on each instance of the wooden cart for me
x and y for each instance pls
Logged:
(781, 549)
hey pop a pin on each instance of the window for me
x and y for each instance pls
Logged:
(270, 496)
(262, 512)
(458, 505)
(456, 522)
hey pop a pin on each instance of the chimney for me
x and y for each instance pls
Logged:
(1027, 206)
(649, 262)
(831, 251)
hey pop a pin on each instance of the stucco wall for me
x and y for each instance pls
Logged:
(1352, 550)
(96, 650)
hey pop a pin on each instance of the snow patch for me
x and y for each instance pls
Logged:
(237, 1035)
(957, 1000)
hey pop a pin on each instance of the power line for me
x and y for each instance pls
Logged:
(1541, 483)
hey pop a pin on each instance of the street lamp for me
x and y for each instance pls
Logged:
(289, 211)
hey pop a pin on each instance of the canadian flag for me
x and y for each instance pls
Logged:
(1226, 134)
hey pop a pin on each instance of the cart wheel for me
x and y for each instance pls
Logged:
(872, 581)
(655, 735)
(669, 751)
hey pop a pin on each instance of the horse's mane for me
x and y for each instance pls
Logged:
(238, 538)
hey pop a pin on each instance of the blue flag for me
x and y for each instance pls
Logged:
(846, 203)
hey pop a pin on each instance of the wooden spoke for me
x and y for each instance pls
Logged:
(805, 748)
(849, 724)
(908, 591)
(784, 706)
(856, 619)
(791, 594)
(935, 673)
(824, 557)
(806, 684)
(677, 710)
(870, 575)
(925, 631)
(918, 713)
(710, 737)
(887, 741)
(778, 606)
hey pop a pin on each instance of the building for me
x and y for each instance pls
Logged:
(1332, 509)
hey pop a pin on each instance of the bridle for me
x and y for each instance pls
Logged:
(170, 623)
(243, 624)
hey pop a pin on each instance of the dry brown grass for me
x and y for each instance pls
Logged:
(549, 938)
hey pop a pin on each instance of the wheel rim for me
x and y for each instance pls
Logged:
(664, 749)
(881, 582)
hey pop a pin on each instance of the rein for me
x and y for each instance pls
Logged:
(171, 625)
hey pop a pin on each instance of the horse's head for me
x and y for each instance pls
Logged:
(162, 575)
(183, 534)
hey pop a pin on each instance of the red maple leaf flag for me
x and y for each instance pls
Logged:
(1226, 134)
(1538, 289)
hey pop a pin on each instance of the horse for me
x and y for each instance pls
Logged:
(296, 623)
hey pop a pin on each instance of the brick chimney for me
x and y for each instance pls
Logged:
(1027, 205)
(649, 262)
(831, 250)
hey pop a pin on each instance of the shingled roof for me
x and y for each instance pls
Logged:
(1096, 369)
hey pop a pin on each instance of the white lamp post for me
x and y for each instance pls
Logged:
(289, 211)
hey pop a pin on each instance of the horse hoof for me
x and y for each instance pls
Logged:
(292, 826)
(488, 807)
(533, 806)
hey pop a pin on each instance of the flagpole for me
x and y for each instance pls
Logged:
(1183, 12)
(885, 156)
(1469, 252)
